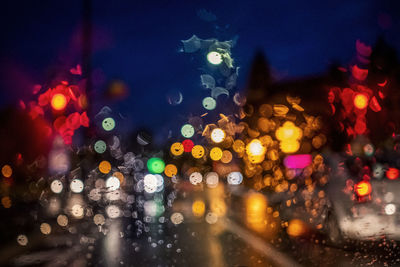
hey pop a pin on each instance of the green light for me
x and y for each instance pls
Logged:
(187, 131)
(100, 146)
(214, 58)
(108, 124)
(155, 165)
(209, 103)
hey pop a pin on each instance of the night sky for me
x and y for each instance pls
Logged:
(139, 43)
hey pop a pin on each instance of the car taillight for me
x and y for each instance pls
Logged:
(392, 173)
(363, 188)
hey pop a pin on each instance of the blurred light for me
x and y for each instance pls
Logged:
(58, 102)
(369, 150)
(155, 165)
(211, 179)
(226, 156)
(198, 151)
(76, 186)
(388, 197)
(120, 176)
(216, 153)
(95, 194)
(209, 103)
(56, 186)
(235, 178)
(256, 210)
(6, 202)
(62, 220)
(392, 173)
(198, 208)
(297, 161)
(289, 135)
(104, 167)
(77, 211)
(360, 101)
(217, 135)
(363, 188)
(112, 183)
(170, 170)
(296, 228)
(177, 149)
(255, 148)
(187, 145)
(100, 146)
(177, 218)
(22, 240)
(45, 228)
(150, 183)
(6, 171)
(390, 209)
(113, 211)
(108, 124)
(211, 218)
(238, 146)
(378, 171)
(214, 58)
(99, 219)
(187, 131)
(195, 178)
(150, 208)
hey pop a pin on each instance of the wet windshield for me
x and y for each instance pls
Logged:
(178, 134)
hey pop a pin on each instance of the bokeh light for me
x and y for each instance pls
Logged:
(56, 186)
(6, 171)
(108, 124)
(58, 102)
(155, 165)
(76, 186)
(187, 131)
(214, 58)
(170, 170)
(209, 103)
(360, 101)
(104, 167)
(198, 208)
(198, 151)
(112, 183)
(100, 146)
(217, 135)
(177, 149)
(216, 153)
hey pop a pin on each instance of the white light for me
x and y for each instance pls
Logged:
(195, 178)
(217, 135)
(211, 179)
(388, 197)
(112, 183)
(76, 186)
(235, 178)
(56, 186)
(214, 58)
(113, 211)
(150, 208)
(390, 209)
(98, 219)
(177, 218)
(150, 183)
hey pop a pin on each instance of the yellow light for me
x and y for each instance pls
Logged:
(360, 101)
(177, 149)
(105, 167)
(214, 58)
(58, 102)
(288, 131)
(255, 148)
(170, 170)
(289, 146)
(289, 135)
(216, 153)
(256, 209)
(217, 135)
(198, 208)
(226, 156)
(198, 152)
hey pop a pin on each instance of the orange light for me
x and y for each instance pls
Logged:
(105, 167)
(360, 101)
(59, 102)
(392, 173)
(363, 188)
(6, 171)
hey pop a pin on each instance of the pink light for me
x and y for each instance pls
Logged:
(297, 161)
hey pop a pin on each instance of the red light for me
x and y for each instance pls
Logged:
(392, 173)
(360, 101)
(363, 188)
(58, 102)
(187, 145)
